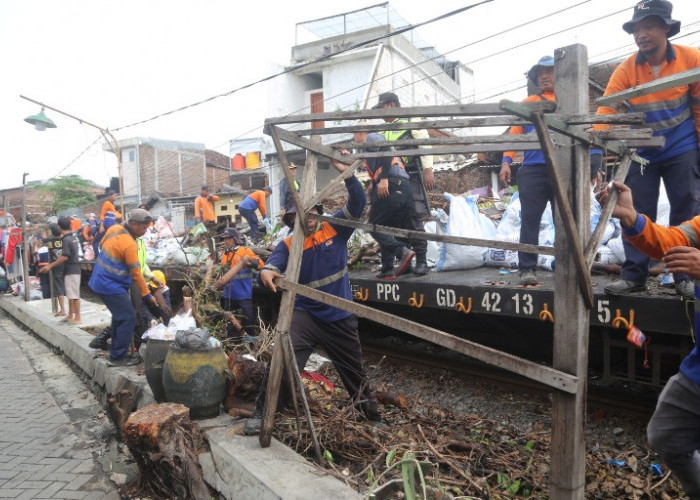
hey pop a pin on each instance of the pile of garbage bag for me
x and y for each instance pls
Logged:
(466, 220)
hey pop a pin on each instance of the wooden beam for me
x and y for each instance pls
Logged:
(333, 185)
(483, 121)
(567, 217)
(442, 238)
(606, 212)
(619, 148)
(534, 371)
(667, 82)
(328, 151)
(284, 320)
(282, 157)
(567, 477)
(415, 112)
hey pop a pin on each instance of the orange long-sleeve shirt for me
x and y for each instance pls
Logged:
(672, 113)
(204, 209)
(108, 206)
(531, 157)
(117, 264)
(655, 240)
(259, 198)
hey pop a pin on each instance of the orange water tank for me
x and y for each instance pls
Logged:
(252, 159)
(238, 162)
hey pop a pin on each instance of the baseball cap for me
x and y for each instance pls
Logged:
(386, 98)
(139, 215)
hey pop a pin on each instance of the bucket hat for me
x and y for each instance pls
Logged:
(648, 8)
(544, 62)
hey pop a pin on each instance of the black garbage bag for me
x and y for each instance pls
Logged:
(193, 338)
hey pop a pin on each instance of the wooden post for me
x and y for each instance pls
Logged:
(287, 305)
(568, 452)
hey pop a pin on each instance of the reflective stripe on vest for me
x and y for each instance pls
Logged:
(328, 279)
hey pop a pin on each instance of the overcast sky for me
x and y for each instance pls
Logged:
(116, 62)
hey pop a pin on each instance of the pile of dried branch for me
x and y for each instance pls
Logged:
(458, 454)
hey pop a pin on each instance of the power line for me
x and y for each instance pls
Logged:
(309, 63)
(326, 99)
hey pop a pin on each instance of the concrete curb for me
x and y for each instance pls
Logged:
(236, 466)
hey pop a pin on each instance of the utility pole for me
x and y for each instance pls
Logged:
(25, 239)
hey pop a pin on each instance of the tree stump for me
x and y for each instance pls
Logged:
(165, 445)
(247, 379)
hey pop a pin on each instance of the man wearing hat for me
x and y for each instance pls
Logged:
(286, 190)
(421, 177)
(238, 294)
(323, 267)
(534, 186)
(673, 114)
(391, 200)
(116, 266)
(204, 207)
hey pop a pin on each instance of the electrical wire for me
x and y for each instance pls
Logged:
(309, 63)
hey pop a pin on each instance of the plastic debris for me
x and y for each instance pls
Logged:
(657, 470)
(616, 462)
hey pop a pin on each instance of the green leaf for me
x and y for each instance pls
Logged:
(513, 488)
(530, 445)
(408, 470)
(328, 456)
(390, 457)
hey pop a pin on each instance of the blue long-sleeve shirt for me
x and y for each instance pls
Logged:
(324, 260)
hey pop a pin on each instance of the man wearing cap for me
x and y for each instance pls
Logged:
(108, 205)
(116, 266)
(238, 294)
(323, 267)
(254, 201)
(673, 114)
(534, 186)
(391, 200)
(286, 190)
(421, 176)
(204, 207)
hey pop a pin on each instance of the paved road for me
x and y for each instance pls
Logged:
(52, 431)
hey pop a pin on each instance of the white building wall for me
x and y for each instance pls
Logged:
(130, 174)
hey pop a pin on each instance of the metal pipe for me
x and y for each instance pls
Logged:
(25, 239)
(105, 132)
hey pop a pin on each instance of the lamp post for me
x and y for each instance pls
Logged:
(41, 122)
(25, 239)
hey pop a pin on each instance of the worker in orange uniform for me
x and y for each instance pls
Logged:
(75, 224)
(115, 267)
(673, 429)
(204, 207)
(108, 205)
(238, 294)
(674, 114)
(255, 201)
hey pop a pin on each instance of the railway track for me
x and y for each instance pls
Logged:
(633, 399)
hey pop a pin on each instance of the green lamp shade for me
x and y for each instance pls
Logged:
(40, 121)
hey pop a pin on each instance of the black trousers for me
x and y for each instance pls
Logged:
(246, 309)
(419, 211)
(341, 342)
(390, 211)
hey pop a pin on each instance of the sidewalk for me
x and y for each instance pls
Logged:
(37, 457)
(236, 466)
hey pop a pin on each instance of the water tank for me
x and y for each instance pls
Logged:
(238, 162)
(252, 159)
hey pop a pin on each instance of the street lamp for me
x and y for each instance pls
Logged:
(41, 122)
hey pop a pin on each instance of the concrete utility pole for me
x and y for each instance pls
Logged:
(25, 239)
